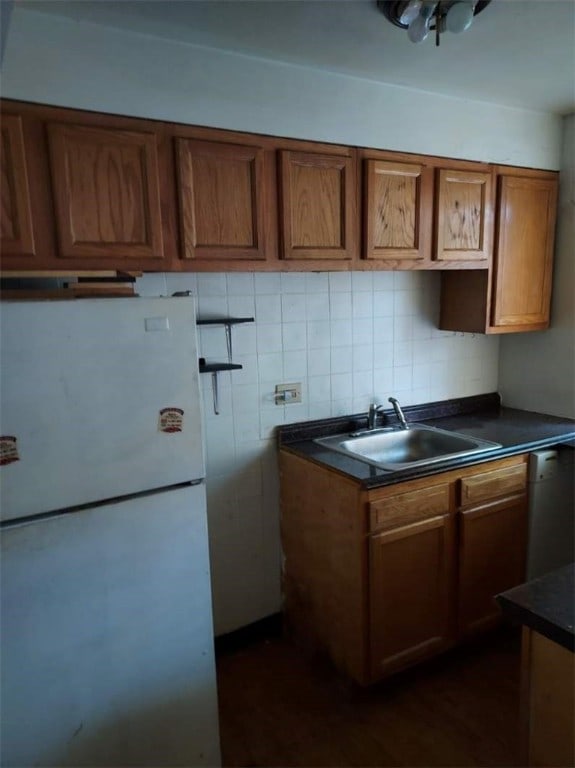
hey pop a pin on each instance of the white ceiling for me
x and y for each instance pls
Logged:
(518, 52)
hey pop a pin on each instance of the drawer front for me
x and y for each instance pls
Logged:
(409, 507)
(491, 485)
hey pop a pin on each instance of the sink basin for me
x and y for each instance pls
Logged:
(395, 449)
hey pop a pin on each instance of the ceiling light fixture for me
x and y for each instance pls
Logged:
(420, 17)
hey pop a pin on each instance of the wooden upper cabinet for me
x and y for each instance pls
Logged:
(106, 190)
(397, 210)
(221, 200)
(17, 237)
(524, 252)
(463, 215)
(317, 206)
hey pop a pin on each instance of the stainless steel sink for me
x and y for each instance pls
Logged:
(396, 449)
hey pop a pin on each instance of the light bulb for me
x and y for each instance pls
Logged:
(418, 29)
(460, 16)
(410, 12)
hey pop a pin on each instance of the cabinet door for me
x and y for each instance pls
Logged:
(492, 555)
(463, 216)
(411, 588)
(318, 206)
(524, 252)
(106, 192)
(17, 238)
(397, 215)
(221, 200)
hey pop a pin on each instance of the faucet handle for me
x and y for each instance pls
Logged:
(372, 414)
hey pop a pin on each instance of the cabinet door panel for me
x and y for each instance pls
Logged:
(492, 553)
(524, 254)
(106, 192)
(16, 214)
(221, 199)
(397, 215)
(318, 206)
(464, 215)
(411, 581)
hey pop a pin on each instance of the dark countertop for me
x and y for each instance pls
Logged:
(546, 605)
(481, 416)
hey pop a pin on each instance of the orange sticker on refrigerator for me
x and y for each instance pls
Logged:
(8, 449)
(171, 420)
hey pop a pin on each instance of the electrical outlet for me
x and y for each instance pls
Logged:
(288, 393)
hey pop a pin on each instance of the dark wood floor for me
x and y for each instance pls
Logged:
(280, 708)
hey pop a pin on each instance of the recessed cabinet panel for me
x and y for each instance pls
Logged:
(492, 552)
(397, 212)
(524, 253)
(464, 215)
(317, 206)
(106, 192)
(221, 200)
(411, 580)
(16, 215)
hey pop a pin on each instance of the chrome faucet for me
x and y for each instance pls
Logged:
(372, 414)
(398, 412)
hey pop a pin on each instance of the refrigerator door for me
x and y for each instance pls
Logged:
(83, 391)
(107, 643)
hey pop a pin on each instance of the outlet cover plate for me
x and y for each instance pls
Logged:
(285, 394)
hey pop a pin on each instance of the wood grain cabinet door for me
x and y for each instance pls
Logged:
(463, 216)
(221, 200)
(524, 252)
(17, 237)
(411, 589)
(397, 212)
(318, 206)
(106, 190)
(492, 556)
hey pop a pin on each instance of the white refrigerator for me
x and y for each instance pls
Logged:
(106, 654)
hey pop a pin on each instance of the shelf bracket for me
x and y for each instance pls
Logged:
(215, 393)
(228, 329)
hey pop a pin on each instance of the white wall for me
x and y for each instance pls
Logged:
(349, 338)
(537, 370)
(58, 61)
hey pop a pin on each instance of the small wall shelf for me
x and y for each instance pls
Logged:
(215, 368)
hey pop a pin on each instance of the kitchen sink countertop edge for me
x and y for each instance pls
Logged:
(481, 416)
(545, 604)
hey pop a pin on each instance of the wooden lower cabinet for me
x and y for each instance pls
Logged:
(492, 550)
(380, 580)
(411, 581)
(548, 702)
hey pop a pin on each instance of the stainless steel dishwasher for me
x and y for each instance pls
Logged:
(551, 510)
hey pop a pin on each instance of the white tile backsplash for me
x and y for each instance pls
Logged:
(240, 284)
(348, 338)
(339, 281)
(268, 309)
